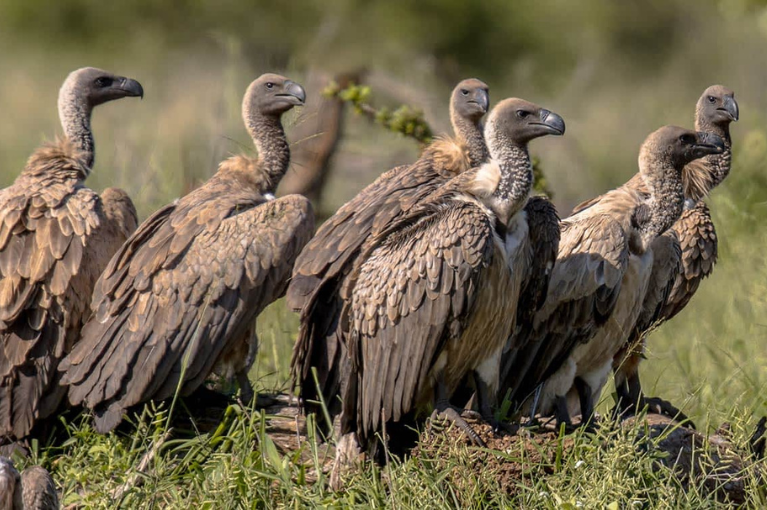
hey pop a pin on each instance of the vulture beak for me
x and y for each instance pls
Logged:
(131, 88)
(730, 107)
(708, 143)
(553, 123)
(482, 99)
(295, 91)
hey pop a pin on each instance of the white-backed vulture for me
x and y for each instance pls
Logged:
(182, 294)
(31, 490)
(322, 270)
(668, 294)
(56, 236)
(601, 276)
(433, 297)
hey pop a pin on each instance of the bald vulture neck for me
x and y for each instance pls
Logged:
(75, 116)
(470, 133)
(273, 149)
(719, 164)
(516, 178)
(666, 198)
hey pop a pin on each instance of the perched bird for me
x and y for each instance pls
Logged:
(56, 236)
(32, 490)
(317, 289)
(180, 298)
(667, 294)
(601, 277)
(433, 296)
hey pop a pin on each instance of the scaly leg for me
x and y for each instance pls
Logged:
(586, 397)
(348, 455)
(246, 387)
(445, 413)
(561, 413)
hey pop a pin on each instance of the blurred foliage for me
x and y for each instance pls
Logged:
(408, 121)
(405, 120)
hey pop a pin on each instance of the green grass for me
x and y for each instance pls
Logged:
(709, 360)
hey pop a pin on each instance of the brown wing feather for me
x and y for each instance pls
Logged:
(585, 283)
(667, 256)
(413, 292)
(319, 287)
(697, 238)
(189, 282)
(49, 225)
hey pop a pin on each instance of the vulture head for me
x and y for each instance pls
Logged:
(272, 95)
(10, 486)
(717, 106)
(517, 122)
(91, 87)
(676, 146)
(32, 489)
(470, 99)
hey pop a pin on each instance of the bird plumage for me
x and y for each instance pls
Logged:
(182, 294)
(56, 236)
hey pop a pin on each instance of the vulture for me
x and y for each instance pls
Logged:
(56, 236)
(601, 277)
(670, 289)
(179, 299)
(31, 490)
(429, 297)
(322, 269)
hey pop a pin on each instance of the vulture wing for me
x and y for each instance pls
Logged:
(52, 235)
(584, 286)
(185, 287)
(698, 241)
(317, 287)
(413, 292)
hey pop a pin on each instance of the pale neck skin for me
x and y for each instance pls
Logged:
(516, 180)
(273, 150)
(469, 131)
(75, 115)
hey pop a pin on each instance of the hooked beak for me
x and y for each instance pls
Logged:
(709, 143)
(552, 122)
(296, 91)
(481, 99)
(731, 108)
(131, 88)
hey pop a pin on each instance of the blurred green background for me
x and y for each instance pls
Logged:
(614, 70)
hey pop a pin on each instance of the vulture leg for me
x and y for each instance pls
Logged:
(586, 397)
(631, 399)
(348, 454)
(757, 441)
(485, 402)
(246, 387)
(444, 413)
(536, 400)
(561, 413)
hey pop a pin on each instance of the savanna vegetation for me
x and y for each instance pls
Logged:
(614, 71)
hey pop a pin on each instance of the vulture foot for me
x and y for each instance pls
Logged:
(348, 455)
(445, 415)
(659, 406)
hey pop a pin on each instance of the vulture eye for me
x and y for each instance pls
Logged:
(687, 139)
(522, 113)
(270, 85)
(103, 81)
(711, 99)
(464, 92)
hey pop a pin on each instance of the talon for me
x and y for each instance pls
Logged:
(450, 414)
